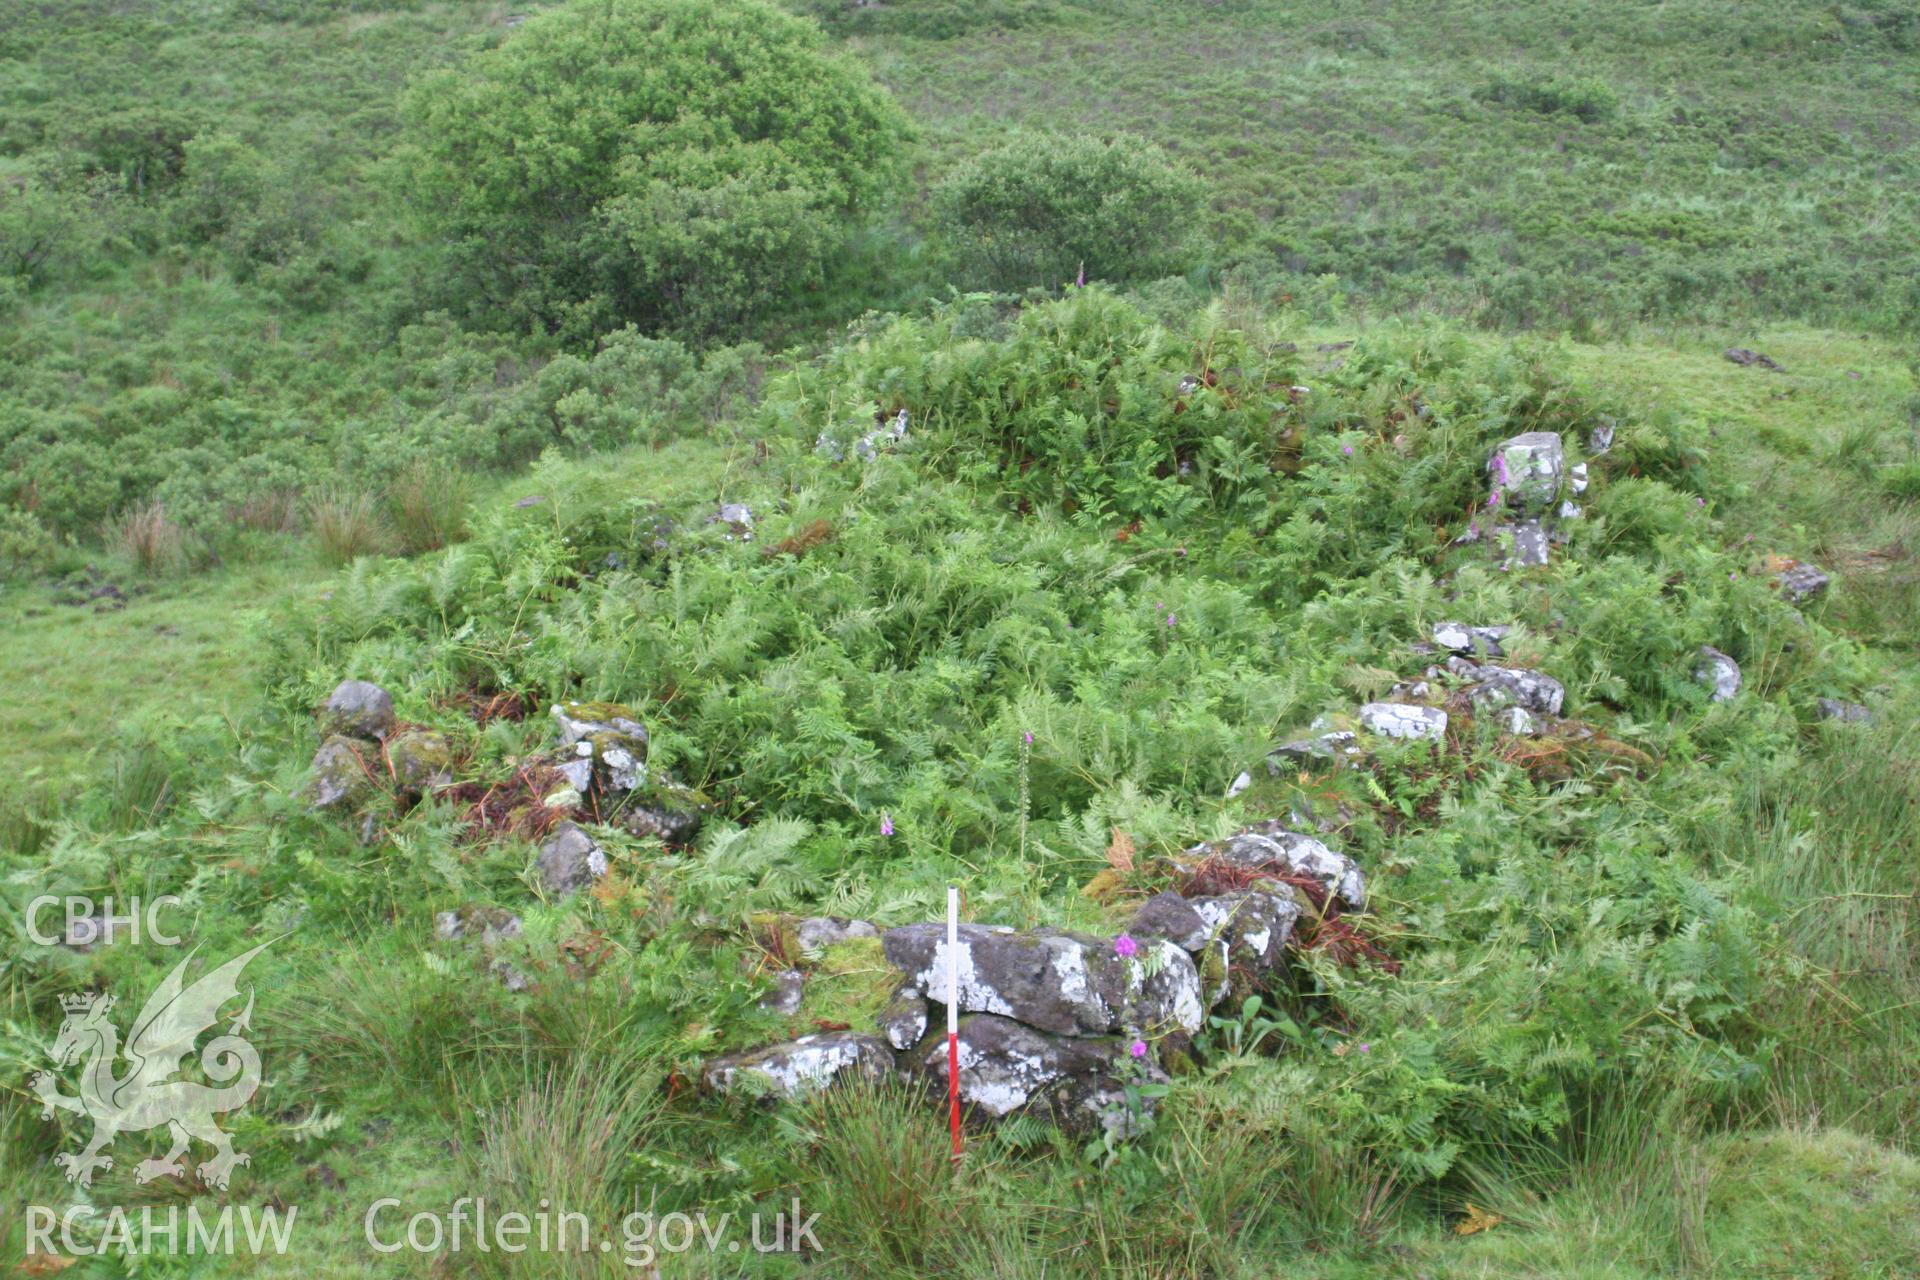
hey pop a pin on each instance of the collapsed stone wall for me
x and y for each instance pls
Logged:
(1054, 1022)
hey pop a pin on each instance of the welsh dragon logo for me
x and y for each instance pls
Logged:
(143, 1097)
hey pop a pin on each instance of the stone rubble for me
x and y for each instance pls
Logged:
(1464, 639)
(570, 861)
(605, 747)
(1719, 673)
(801, 1067)
(1056, 1023)
(1531, 495)
(357, 709)
(1403, 720)
(1801, 582)
(789, 991)
(1491, 688)
(1842, 712)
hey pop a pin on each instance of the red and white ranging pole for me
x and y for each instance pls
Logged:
(953, 1017)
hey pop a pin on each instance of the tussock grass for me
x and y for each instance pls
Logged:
(151, 540)
(347, 524)
(427, 506)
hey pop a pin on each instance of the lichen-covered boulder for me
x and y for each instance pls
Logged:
(421, 760)
(1525, 542)
(1170, 916)
(1801, 582)
(1519, 722)
(358, 709)
(664, 811)
(800, 1067)
(340, 777)
(1270, 847)
(816, 933)
(1493, 688)
(508, 975)
(1843, 712)
(604, 747)
(904, 1021)
(1527, 472)
(84, 933)
(1720, 673)
(492, 925)
(1461, 638)
(1255, 925)
(889, 437)
(1060, 982)
(1323, 744)
(1403, 720)
(789, 991)
(1078, 1082)
(570, 861)
(737, 517)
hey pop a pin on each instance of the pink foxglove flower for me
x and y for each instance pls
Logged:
(886, 824)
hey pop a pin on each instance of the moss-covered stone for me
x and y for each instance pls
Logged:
(358, 709)
(666, 812)
(421, 759)
(340, 776)
(851, 983)
(605, 747)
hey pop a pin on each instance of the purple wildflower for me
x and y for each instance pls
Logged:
(1125, 947)
(1699, 502)
(886, 824)
(1493, 499)
(1027, 737)
(1366, 1046)
(1172, 619)
(1347, 449)
(1500, 469)
(1138, 1048)
(1080, 281)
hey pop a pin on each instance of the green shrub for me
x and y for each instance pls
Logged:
(259, 211)
(1586, 98)
(44, 230)
(681, 164)
(1044, 208)
(25, 544)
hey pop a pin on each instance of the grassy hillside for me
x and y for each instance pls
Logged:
(1635, 996)
(220, 296)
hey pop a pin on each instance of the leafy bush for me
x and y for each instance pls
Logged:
(1042, 208)
(25, 544)
(680, 164)
(44, 230)
(1587, 98)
